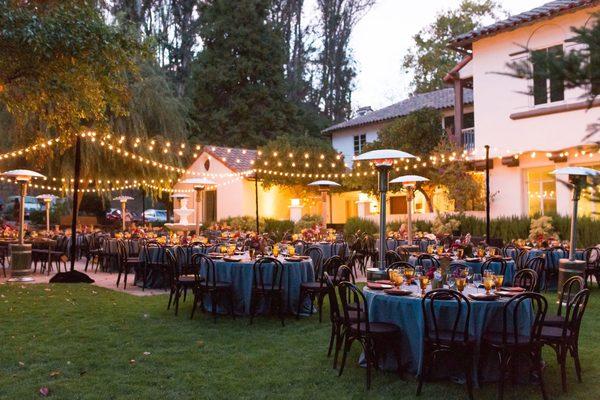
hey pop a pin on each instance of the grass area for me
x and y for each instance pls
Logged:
(84, 342)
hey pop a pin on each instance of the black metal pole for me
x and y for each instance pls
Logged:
(487, 194)
(143, 207)
(256, 199)
(76, 174)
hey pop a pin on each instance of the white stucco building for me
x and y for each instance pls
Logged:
(529, 135)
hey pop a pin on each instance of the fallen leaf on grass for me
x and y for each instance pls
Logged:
(147, 353)
(200, 343)
(21, 364)
(44, 391)
(54, 374)
(132, 362)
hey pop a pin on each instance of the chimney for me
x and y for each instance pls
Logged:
(363, 111)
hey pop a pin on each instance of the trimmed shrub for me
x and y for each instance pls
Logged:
(355, 224)
(307, 222)
(278, 228)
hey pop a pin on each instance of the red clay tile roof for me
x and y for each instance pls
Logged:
(236, 159)
(547, 10)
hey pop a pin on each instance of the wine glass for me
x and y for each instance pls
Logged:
(488, 282)
(461, 283)
(477, 279)
(451, 280)
(423, 282)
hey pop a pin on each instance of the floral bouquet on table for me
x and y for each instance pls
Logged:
(308, 234)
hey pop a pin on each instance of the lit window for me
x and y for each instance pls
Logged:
(541, 191)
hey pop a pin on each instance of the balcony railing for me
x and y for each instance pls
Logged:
(468, 139)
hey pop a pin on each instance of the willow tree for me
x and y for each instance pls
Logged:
(63, 70)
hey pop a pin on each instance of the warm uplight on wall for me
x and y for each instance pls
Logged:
(295, 202)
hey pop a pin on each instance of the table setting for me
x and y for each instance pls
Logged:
(398, 300)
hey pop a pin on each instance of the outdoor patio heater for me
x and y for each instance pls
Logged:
(199, 185)
(383, 160)
(21, 252)
(410, 183)
(578, 177)
(123, 200)
(47, 199)
(325, 190)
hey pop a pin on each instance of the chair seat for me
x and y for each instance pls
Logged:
(313, 286)
(445, 338)
(267, 288)
(217, 286)
(353, 316)
(376, 328)
(495, 340)
(554, 320)
(133, 260)
(553, 333)
(187, 279)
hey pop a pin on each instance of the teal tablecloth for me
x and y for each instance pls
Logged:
(406, 312)
(240, 274)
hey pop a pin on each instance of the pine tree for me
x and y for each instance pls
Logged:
(240, 92)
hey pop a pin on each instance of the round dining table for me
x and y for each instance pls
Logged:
(240, 274)
(406, 312)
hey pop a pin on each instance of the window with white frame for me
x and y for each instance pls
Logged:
(547, 88)
(541, 190)
(359, 143)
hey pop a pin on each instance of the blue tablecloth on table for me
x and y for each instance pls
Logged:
(326, 248)
(475, 267)
(392, 244)
(406, 313)
(241, 273)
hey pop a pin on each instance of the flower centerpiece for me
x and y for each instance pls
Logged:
(542, 232)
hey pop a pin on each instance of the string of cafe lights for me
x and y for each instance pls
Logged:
(121, 151)
(37, 146)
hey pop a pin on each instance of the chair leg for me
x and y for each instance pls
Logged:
(320, 305)
(540, 370)
(347, 344)
(125, 280)
(302, 295)
(468, 375)
(339, 339)
(177, 295)
(421, 377)
(503, 367)
(331, 339)
(197, 294)
(562, 350)
(170, 297)
(575, 355)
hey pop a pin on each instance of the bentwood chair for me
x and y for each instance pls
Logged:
(300, 246)
(538, 264)
(403, 253)
(446, 315)
(154, 263)
(338, 248)
(591, 256)
(565, 338)
(372, 336)
(427, 261)
(515, 341)
(125, 262)
(527, 279)
(208, 285)
(315, 290)
(391, 257)
(267, 279)
(570, 288)
(510, 250)
(488, 264)
(552, 256)
(178, 282)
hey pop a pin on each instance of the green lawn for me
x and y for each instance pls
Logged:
(84, 342)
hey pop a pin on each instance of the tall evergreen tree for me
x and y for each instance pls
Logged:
(240, 93)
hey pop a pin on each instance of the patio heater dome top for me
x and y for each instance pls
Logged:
(180, 196)
(384, 156)
(407, 179)
(199, 181)
(46, 196)
(123, 198)
(22, 174)
(579, 171)
(324, 183)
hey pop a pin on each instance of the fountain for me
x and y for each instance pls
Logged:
(183, 212)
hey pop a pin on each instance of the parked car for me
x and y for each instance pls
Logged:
(153, 215)
(31, 204)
